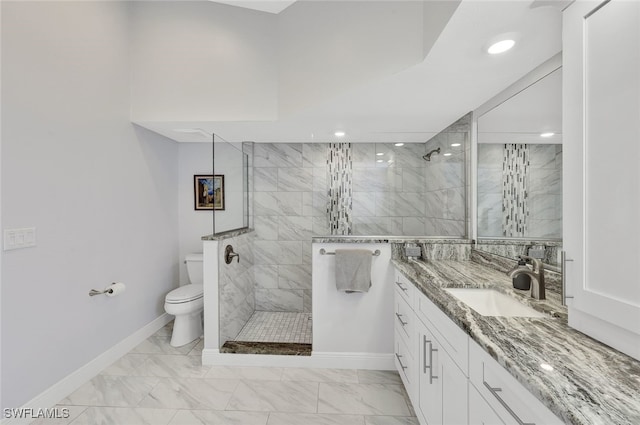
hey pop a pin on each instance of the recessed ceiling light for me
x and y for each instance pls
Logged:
(500, 46)
(455, 145)
(390, 161)
(380, 153)
(379, 160)
(339, 133)
(447, 154)
(398, 144)
(547, 134)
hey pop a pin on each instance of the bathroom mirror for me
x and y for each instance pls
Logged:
(519, 171)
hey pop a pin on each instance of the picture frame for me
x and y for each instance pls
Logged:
(208, 192)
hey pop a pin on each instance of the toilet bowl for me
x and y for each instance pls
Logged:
(186, 303)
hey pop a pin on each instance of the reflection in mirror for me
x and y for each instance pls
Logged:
(519, 164)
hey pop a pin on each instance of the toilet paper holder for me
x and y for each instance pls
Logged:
(95, 292)
(110, 291)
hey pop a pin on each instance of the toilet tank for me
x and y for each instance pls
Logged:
(194, 267)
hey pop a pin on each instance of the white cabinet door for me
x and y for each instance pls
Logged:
(442, 385)
(430, 382)
(601, 154)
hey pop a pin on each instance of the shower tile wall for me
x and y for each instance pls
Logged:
(289, 200)
(400, 195)
(543, 187)
(236, 286)
(446, 185)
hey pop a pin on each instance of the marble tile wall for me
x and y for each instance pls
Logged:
(543, 191)
(446, 187)
(236, 287)
(289, 206)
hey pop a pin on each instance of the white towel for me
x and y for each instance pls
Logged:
(353, 270)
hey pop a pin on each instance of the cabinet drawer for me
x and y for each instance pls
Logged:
(506, 396)
(404, 318)
(404, 363)
(451, 337)
(405, 288)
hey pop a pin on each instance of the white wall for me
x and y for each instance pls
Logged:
(360, 323)
(327, 47)
(101, 193)
(193, 158)
(202, 61)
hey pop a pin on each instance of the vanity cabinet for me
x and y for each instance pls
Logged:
(435, 382)
(450, 379)
(601, 129)
(502, 394)
(442, 385)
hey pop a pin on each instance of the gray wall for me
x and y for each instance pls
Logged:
(101, 193)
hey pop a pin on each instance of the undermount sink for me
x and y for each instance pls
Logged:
(489, 302)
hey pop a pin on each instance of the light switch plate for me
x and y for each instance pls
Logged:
(19, 238)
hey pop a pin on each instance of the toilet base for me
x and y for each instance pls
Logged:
(186, 328)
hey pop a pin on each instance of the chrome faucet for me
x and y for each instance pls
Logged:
(537, 276)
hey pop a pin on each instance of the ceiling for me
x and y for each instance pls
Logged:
(271, 6)
(412, 105)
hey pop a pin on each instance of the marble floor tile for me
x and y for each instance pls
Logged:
(275, 396)
(71, 411)
(243, 372)
(320, 375)
(126, 365)
(172, 366)
(391, 420)
(212, 417)
(190, 393)
(197, 350)
(124, 415)
(122, 391)
(362, 399)
(160, 345)
(378, 377)
(279, 418)
(166, 330)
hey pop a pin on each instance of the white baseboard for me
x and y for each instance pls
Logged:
(58, 391)
(372, 361)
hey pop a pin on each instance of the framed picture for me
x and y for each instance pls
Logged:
(208, 192)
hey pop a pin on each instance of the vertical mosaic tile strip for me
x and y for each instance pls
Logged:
(340, 188)
(515, 188)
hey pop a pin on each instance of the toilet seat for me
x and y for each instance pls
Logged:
(185, 294)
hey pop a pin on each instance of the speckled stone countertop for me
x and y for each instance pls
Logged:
(226, 235)
(590, 383)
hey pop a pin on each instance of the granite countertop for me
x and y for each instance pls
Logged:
(591, 383)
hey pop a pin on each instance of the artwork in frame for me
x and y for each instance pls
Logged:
(208, 192)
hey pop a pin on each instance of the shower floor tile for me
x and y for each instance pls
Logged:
(269, 326)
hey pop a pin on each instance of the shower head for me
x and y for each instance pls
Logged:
(427, 157)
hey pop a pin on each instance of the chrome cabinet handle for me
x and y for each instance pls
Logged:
(425, 341)
(402, 287)
(398, 356)
(504, 404)
(564, 260)
(399, 316)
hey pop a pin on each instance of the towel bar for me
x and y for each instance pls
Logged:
(375, 253)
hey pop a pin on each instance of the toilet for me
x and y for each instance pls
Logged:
(186, 304)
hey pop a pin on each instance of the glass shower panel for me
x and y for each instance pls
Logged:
(230, 181)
